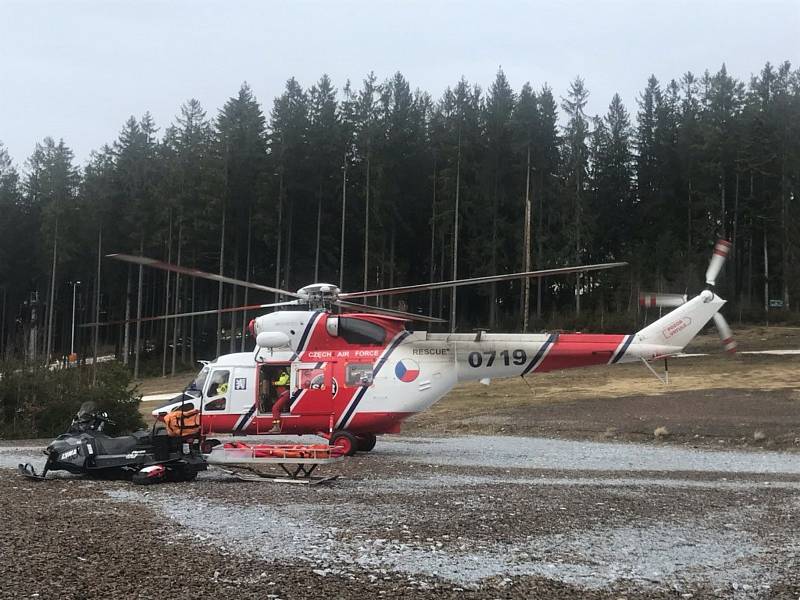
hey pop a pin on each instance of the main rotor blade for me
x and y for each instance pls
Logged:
(388, 312)
(197, 313)
(165, 266)
(721, 250)
(477, 280)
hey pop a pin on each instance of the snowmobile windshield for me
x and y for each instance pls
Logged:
(86, 410)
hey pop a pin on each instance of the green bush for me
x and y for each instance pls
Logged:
(39, 402)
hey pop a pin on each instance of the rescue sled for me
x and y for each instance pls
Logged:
(297, 461)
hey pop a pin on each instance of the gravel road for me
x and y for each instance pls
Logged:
(423, 517)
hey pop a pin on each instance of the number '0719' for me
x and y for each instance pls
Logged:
(488, 358)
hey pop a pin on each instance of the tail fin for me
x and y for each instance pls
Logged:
(678, 327)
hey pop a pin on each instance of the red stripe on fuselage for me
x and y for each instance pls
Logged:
(572, 350)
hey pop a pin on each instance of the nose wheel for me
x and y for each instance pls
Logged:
(346, 441)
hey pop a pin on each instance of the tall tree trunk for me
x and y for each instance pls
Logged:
(319, 231)
(493, 263)
(526, 266)
(126, 344)
(366, 231)
(784, 236)
(689, 256)
(234, 291)
(52, 299)
(137, 339)
(723, 210)
(577, 240)
(193, 309)
(766, 275)
(166, 300)
(344, 221)
(433, 240)
(96, 329)
(219, 288)
(247, 274)
(289, 233)
(280, 236)
(442, 263)
(540, 245)
(737, 253)
(392, 234)
(455, 238)
(177, 303)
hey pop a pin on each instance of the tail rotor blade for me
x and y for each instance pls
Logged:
(654, 299)
(725, 333)
(721, 251)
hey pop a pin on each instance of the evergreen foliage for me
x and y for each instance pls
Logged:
(697, 158)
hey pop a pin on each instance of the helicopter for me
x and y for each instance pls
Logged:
(354, 374)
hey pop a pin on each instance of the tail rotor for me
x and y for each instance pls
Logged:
(722, 250)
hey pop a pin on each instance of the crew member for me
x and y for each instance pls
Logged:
(219, 384)
(281, 385)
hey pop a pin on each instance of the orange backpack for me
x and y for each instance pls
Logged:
(182, 423)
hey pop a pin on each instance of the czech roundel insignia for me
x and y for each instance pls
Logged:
(406, 370)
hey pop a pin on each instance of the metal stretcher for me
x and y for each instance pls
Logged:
(298, 461)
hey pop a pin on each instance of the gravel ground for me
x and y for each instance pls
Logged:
(468, 517)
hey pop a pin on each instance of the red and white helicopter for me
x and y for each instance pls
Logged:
(355, 375)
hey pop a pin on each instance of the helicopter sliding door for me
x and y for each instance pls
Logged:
(311, 406)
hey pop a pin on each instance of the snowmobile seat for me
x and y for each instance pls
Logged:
(116, 445)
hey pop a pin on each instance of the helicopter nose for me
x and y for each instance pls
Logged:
(251, 327)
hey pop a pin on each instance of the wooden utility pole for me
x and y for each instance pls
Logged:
(344, 221)
(527, 243)
(455, 239)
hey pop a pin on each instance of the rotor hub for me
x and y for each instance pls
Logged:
(319, 295)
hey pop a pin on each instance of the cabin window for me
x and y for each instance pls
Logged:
(215, 404)
(311, 379)
(358, 331)
(358, 374)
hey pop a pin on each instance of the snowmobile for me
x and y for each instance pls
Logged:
(163, 453)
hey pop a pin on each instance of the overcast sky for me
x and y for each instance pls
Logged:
(77, 69)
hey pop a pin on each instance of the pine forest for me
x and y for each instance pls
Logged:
(378, 184)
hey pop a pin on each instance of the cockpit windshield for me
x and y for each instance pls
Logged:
(196, 387)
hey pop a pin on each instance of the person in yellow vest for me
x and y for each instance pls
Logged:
(281, 385)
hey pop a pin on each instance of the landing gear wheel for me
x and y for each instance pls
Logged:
(366, 441)
(346, 441)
